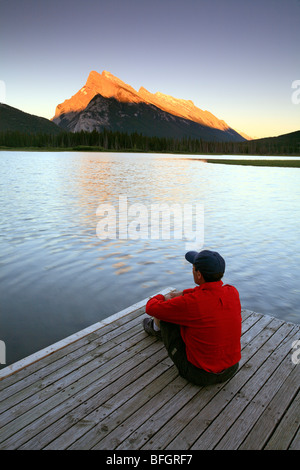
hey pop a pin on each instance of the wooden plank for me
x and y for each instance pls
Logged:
(11, 369)
(106, 435)
(193, 407)
(30, 405)
(289, 425)
(295, 444)
(96, 356)
(60, 357)
(229, 428)
(25, 425)
(116, 388)
(252, 413)
(204, 430)
(165, 411)
(99, 414)
(203, 396)
(60, 379)
(24, 376)
(54, 364)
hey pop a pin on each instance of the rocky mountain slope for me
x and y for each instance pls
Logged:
(107, 102)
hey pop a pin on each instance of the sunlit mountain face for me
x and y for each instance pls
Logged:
(105, 101)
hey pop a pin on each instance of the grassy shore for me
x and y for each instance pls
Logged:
(274, 163)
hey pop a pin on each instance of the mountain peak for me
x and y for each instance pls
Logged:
(93, 77)
(104, 84)
(109, 86)
(93, 73)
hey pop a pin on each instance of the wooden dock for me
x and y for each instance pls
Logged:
(113, 387)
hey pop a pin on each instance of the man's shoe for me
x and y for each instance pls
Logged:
(149, 328)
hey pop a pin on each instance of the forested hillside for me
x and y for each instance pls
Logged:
(288, 144)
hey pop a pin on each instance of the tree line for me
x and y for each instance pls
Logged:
(122, 141)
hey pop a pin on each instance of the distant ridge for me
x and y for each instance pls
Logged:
(13, 119)
(290, 138)
(107, 102)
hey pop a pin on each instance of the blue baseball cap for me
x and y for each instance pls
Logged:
(208, 262)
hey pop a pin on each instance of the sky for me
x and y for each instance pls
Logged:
(238, 59)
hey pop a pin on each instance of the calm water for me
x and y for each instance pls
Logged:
(57, 276)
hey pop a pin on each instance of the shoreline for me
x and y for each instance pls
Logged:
(269, 162)
(264, 163)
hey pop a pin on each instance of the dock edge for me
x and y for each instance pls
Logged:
(11, 369)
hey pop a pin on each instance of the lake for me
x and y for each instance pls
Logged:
(59, 274)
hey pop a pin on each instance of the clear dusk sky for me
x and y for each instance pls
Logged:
(235, 58)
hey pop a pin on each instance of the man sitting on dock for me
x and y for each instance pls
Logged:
(200, 327)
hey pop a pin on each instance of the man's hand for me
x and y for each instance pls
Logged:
(171, 295)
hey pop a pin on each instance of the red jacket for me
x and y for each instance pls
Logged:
(210, 323)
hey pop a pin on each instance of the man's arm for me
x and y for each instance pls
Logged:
(173, 294)
(177, 293)
(175, 310)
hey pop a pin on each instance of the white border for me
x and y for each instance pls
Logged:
(75, 337)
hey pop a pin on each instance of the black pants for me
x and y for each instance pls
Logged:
(175, 346)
